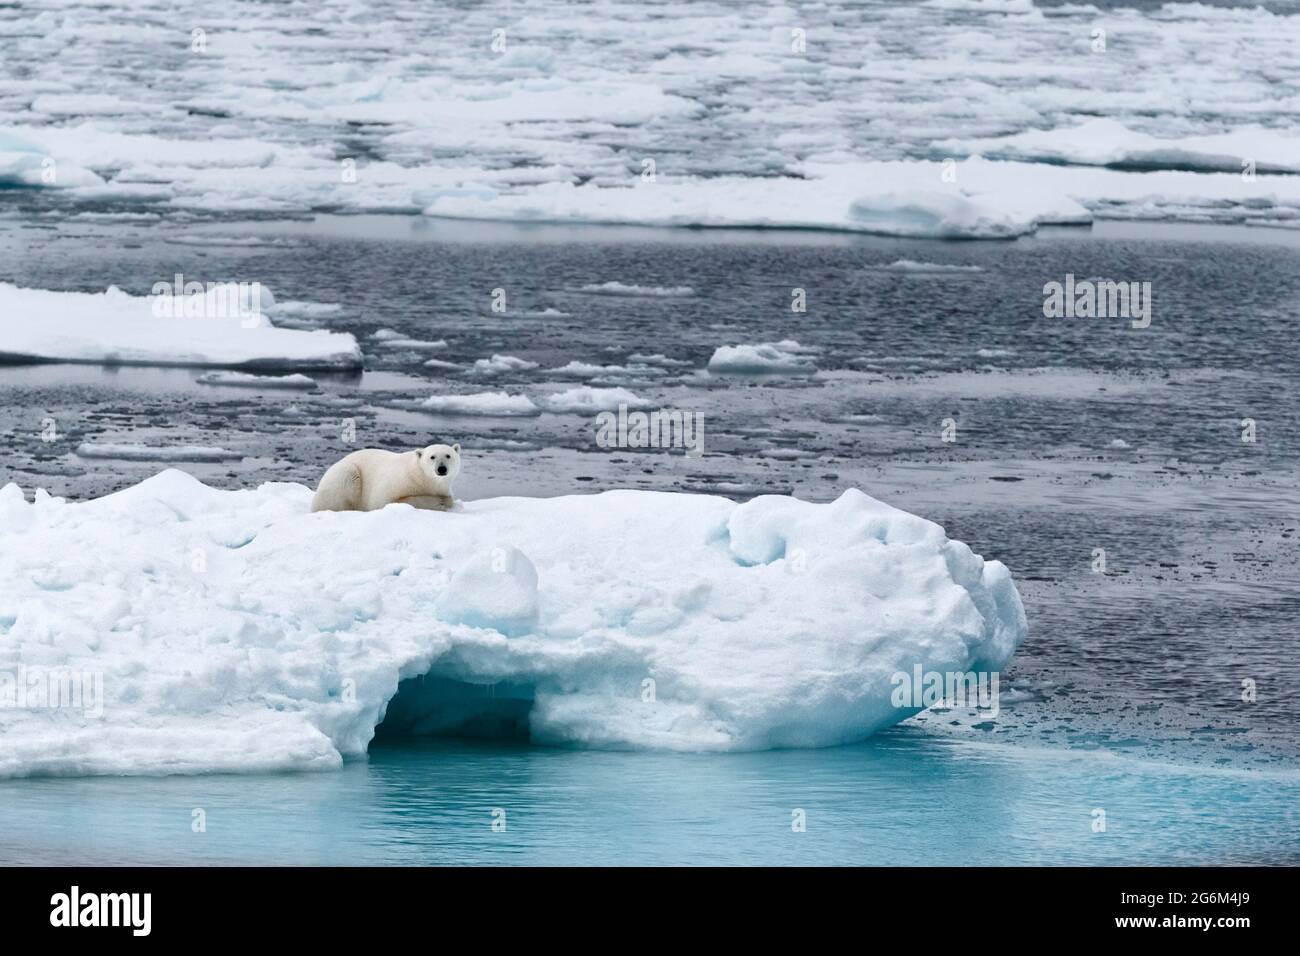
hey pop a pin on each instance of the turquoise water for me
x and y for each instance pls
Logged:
(904, 798)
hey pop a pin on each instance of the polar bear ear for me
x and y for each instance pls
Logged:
(456, 448)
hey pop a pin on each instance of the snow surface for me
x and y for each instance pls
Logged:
(114, 328)
(236, 631)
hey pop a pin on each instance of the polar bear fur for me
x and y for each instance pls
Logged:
(369, 479)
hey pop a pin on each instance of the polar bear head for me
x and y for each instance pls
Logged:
(440, 463)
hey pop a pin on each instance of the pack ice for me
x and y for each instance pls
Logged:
(236, 631)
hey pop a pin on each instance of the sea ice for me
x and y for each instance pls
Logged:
(585, 400)
(114, 328)
(766, 358)
(244, 380)
(237, 631)
(481, 403)
(559, 123)
(499, 364)
(134, 451)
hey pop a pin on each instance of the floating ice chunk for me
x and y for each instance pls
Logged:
(392, 339)
(139, 452)
(499, 364)
(576, 369)
(294, 307)
(1108, 142)
(995, 201)
(27, 163)
(911, 265)
(113, 328)
(244, 380)
(481, 403)
(929, 214)
(587, 400)
(766, 358)
(496, 590)
(657, 358)
(621, 288)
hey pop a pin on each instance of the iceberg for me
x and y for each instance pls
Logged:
(228, 631)
(115, 328)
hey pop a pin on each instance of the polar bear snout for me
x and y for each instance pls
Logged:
(442, 469)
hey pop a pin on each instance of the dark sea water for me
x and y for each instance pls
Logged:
(1072, 435)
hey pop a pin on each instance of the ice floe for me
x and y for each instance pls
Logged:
(217, 328)
(622, 288)
(587, 400)
(786, 357)
(245, 380)
(236, 631)
(135, 451)
(501, 404)
(500, 364)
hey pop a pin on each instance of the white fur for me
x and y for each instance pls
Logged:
(369, 479)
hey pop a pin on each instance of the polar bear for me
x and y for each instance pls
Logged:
(369, 479)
